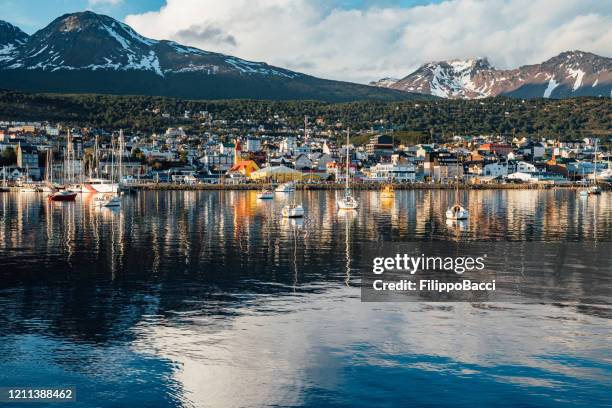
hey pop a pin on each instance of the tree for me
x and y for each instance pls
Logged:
(8, 157)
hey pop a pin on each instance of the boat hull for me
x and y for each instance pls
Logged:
(293, 211)
(63, 196)
(457, 213)
(348, 203)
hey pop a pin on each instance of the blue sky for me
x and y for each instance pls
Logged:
(31, 15)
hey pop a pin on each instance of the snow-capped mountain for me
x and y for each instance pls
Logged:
(387, 82)
(88, 52)
(574, 73)
(11, 37)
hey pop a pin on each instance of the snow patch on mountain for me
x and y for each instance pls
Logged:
(578, 74)
(552, 84)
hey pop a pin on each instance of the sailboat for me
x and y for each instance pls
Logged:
(456, 211)
(595, 189)
(293, 210)
(65, 195)
(348, 202)
(267, 192)
(110, 199)
(4, 187)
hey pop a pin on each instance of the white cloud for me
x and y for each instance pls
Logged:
(318, 38)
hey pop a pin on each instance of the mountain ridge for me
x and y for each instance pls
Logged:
(571, 73)
(86, 52)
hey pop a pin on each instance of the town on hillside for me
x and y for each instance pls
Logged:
(32, 153)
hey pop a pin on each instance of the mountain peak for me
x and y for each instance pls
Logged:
(571, 73)
(11, 35)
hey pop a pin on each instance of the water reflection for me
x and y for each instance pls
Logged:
(213, 299)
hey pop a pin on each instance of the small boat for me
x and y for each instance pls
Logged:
(388, 191)
(457, 212)
(63, 196)
(293, 211)
(107, 201)
(594, 190)
(28, 189)
(348, 202)
(288, 187)
(266, 194)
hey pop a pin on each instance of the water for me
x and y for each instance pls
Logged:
(193, 299)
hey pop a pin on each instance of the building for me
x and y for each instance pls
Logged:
(502, 149)
(442, 167)
(253, 144)
(400, 172)
(27, 156)
(380, 146)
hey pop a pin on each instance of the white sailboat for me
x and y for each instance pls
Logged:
(4, 187)
(111, 199)
(456, 211)
(267, 192)
(293, 210)
(348, 202)
(595, 189)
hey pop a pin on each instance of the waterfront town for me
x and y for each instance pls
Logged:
(35, 153)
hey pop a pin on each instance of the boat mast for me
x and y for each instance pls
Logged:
(595, 166)
(346, 188)
(120, 148)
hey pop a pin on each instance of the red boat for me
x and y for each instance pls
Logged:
(63, 196)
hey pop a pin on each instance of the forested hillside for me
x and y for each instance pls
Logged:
(569, 118)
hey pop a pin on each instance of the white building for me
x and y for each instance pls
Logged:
(288, 145)
(253, 144)
(393, 172)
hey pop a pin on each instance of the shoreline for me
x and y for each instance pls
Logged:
(357, 186)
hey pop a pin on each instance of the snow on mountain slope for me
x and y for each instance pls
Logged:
(574, 73)
(88, 41)
(11, 38)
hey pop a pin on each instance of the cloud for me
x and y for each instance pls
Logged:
(204, 35)
(324, 39)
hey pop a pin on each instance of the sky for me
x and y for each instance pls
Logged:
(354, 40)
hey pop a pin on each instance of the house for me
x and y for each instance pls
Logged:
(302, 162)
(243, 167)
(502, 149)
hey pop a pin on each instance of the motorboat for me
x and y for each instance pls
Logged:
(107, 201)
(64, 195)
(388, 191)
(288, 187)
(266, 194)
(293, 211)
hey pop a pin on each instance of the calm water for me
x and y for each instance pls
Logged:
(194, 299)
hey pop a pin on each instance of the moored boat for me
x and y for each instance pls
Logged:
(348, 202)
(288, 187)
(388, 191)
(293, 211)
(63, 196)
